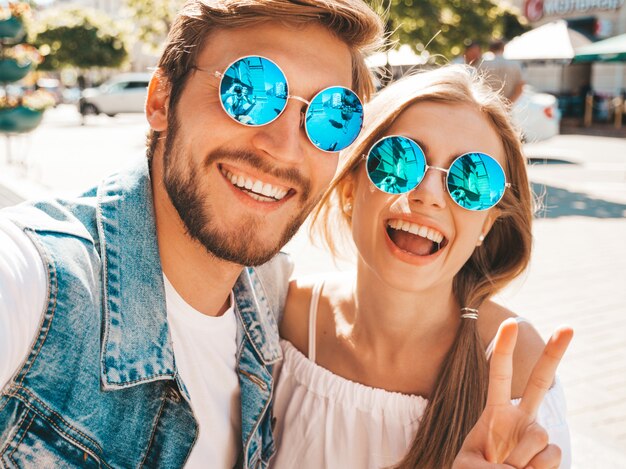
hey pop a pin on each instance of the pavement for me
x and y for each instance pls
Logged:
(577, 274)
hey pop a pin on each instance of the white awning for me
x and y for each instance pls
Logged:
(552, 41)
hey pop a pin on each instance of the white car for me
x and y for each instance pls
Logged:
(537, 115)
(123, 93)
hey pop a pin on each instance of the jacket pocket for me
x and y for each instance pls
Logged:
(37, 443)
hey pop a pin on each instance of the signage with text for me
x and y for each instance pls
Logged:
(534, 10)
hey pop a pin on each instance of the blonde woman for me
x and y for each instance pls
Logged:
(389, 366)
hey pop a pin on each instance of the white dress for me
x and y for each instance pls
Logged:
(326, 421)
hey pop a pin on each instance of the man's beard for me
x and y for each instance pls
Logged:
(238, 244)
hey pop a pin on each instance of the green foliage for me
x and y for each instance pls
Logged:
(153, 19)
(446, 26)
(81, 38)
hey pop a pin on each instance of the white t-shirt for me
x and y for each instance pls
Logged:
(205, 347)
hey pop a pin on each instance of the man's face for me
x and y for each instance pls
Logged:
(241, 191)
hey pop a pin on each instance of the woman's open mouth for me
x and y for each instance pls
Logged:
(415, 239)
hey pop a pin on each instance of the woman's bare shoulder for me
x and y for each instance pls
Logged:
(528, 348)
(295, 323)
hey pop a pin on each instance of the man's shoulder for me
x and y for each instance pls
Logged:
(71, 216)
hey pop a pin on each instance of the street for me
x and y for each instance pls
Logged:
(577, 274)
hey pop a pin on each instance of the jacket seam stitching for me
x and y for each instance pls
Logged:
(255, 428)
(63, 433)
(17, 426)
(10, 455)
(105, 294)
(69, 425)
(52, 274)
(147, 378)
(156, 424)
(271, 311)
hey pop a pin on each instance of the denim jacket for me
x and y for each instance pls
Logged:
(100, 387)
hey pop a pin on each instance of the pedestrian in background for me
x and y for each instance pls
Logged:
(503, 75)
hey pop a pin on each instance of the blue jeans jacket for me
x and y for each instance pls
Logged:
(100, 387)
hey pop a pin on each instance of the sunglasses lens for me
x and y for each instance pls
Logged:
(396, 165)
(334, 118)
(476, 181)
(254, 91)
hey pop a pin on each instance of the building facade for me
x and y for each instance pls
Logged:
(596, 19)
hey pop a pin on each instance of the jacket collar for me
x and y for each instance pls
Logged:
(136, 343)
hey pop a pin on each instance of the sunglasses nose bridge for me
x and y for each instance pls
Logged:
(304, 108)
(431, 189)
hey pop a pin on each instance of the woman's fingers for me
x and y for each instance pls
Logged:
(501, 365)
(543, 373)
(533, 441)
(549, 458)
(467, 460)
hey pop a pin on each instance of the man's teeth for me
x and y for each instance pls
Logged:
(256, 187)
(416, 229)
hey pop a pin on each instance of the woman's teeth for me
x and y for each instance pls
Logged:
(256, 189)
(413, 228)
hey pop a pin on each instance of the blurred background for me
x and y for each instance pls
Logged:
(73, 77)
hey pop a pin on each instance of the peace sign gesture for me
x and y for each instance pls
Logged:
(506, 436)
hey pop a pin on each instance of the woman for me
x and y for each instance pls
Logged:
(388, 367)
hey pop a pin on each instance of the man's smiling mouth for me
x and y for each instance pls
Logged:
(254, 188)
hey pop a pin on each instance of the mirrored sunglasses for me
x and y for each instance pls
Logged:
(475, 180)
(254, 91)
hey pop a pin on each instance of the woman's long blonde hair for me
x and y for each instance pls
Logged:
(460, 391)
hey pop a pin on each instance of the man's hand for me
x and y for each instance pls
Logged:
(507, 436)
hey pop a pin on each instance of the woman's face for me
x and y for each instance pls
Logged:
(400, 258)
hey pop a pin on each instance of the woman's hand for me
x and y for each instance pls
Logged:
(507, 436)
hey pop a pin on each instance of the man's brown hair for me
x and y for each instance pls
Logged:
(352, 21)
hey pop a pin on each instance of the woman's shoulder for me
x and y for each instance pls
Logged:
(528, 348)
(295, 323)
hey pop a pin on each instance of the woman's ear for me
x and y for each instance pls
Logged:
(493, 215)
(157, 101)
(347, 194)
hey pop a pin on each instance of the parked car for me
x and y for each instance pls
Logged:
(537, 115)
(123, 93)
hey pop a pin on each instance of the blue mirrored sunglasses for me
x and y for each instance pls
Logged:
(475, 181)
(254, 92)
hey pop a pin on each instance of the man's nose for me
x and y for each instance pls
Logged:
(284, 139)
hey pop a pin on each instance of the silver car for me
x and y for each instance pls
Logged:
(123, 93)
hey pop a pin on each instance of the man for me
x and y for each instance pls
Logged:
(503, 75)
(131, 335)
(473, 54)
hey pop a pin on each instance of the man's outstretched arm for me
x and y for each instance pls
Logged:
(22, 297)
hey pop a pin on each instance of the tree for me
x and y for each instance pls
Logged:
(81, 38)
(153, 19)
(444, 27)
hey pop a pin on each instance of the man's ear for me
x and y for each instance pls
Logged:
(158, 101)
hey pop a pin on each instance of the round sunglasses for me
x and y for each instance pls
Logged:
(254, 91)
(475, 181)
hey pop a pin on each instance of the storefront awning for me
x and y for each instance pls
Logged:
(550, 42)
(612, 49)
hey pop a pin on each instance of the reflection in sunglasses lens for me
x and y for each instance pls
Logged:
(476, 181)
(254, 91)
(396, 165)
(334, 118)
